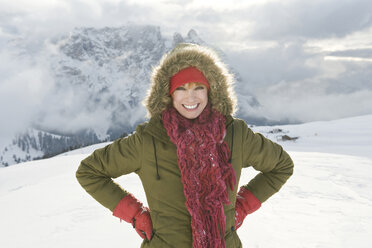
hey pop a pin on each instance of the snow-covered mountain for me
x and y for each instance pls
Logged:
(36, 144)
(327, 203)
(100, 77)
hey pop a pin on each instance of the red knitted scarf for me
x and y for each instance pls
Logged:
(205, 172)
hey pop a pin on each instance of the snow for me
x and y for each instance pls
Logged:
(85, 150)
(326, 203)
(352, 136)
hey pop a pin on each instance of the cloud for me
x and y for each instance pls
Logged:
(294, 84)
(310, 19)
(262, 20)
(262, 67)
(356, 53)
(356, 76)
(23, 87)
(289, 104)
(270, 43)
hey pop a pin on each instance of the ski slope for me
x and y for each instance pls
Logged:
(326, 203)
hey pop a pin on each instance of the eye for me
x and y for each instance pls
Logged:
(181, 88)
(199, 88)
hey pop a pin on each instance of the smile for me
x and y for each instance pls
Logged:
(191, 107)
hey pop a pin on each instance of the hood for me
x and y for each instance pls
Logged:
(221, 94)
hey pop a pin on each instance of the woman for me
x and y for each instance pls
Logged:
(189, 157)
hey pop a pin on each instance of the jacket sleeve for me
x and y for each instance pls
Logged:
(274, 164)
(96, 172)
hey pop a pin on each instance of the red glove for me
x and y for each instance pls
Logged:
(246, 203)
(132, 211)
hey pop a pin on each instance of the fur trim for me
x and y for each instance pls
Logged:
(221, 94)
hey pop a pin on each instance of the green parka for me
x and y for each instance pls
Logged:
(152, 156)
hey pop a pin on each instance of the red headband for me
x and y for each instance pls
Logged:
(187, 75)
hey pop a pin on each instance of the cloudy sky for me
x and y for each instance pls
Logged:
(303, 60)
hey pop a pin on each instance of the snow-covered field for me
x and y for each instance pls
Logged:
(327, 202)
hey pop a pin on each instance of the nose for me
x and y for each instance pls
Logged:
(191, 94)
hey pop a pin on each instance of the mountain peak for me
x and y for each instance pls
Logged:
(177, 38)
(192, 37)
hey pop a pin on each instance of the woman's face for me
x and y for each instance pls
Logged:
(190, 99)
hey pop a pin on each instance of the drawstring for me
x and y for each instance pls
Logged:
(156, 160)
(232, 143)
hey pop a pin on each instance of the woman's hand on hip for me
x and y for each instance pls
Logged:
(246, 203)
(132, 211)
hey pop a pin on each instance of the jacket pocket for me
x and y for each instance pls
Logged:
(232, 239)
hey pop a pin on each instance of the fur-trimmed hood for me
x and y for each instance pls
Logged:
(220, 95)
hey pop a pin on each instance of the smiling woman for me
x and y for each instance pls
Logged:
(189, 157)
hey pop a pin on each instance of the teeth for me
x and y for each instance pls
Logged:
(190, 106)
